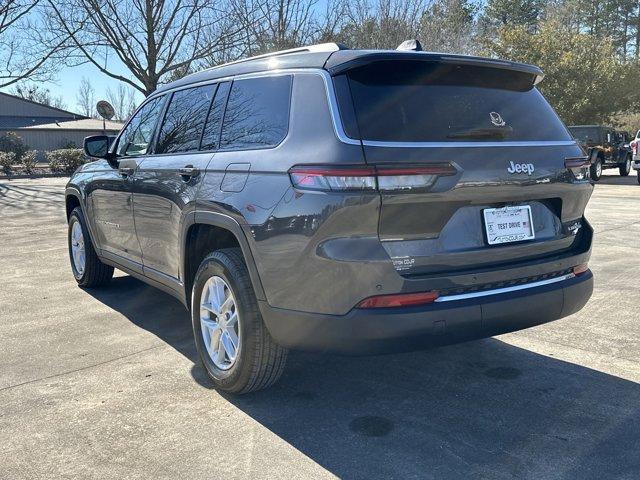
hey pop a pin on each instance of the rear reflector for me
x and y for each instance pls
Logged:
(368, 178)
(399, 300)
(580, 269)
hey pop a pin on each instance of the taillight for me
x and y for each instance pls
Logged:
(368, 178)
(579, 167)
(399, 300)
(634, 146)
(580, 269)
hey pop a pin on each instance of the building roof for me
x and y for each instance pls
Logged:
(337, 59)
(90, 124)
(13, 103)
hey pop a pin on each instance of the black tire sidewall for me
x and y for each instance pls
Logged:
(625, 168)
(594, 175)
(238, 375)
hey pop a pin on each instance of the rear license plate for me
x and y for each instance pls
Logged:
(508, 224)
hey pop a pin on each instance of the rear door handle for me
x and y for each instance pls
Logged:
(188, 172)
(126, 171)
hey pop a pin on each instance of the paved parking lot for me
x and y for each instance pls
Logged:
(105, 384)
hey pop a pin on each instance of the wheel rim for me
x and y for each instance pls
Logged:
(220, 323)
(598, 169)
(78, 254)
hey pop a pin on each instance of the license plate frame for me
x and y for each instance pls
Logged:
(500, 224)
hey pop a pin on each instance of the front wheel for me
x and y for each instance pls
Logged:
(233, 343)
(625, 169)
(638, 177)
(87, 268)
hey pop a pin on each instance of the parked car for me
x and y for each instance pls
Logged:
(606, 147)
(344, 201)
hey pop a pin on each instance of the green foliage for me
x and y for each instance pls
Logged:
(65, 160)
(7, 161)
(29, 162)
(10, 142)
(585, 81)
(513, 12)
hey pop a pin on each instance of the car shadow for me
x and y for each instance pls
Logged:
(483, 409)
(630, 180)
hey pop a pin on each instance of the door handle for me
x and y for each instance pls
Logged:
(188, 172)
(126, 171)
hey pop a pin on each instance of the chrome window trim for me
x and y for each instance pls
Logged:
(497, 291)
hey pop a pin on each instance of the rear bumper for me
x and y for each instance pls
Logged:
(402, 329)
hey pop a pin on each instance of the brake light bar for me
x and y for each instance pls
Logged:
(332, 178)
(399, 300)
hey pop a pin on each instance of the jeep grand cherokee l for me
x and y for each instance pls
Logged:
(342, 201)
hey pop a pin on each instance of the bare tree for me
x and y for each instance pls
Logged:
(449, 26)
(123, 100)
(277, 24)
(150, 38)
(38, 94)
(26, 51)
(381, 24)
(86, 98)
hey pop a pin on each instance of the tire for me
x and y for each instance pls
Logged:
(596, 169)
(258, 362)
(93, 273)
(638, 177)
(625, 169)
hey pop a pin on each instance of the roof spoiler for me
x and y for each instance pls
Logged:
(351, 59)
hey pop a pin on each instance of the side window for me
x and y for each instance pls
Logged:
(138, 133)
(184, 120)
(211, 137)
(257, 114)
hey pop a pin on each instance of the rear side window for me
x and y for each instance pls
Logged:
(257, 114)
(409, 101)
(184, 120)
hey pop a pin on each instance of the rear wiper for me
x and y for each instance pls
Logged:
(498, 132)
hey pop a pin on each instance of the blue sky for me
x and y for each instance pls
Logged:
(68, 80)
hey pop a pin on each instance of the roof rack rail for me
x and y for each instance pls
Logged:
(320, 47)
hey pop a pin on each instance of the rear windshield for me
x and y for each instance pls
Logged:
(409, 101)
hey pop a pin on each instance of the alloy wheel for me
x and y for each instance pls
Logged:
(220, 323)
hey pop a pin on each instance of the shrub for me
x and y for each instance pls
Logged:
(65, 160)
(10, 142)
(7, 161)
(29, 162)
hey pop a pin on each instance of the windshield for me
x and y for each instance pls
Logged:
(585, 134)
(429, 102)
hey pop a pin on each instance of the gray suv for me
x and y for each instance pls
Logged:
(345, 201)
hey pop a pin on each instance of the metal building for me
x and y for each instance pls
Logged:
(47, 128)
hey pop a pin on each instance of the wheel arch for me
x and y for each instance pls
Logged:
(205, 232)
(72, 199)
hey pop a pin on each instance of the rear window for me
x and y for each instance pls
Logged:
(412, 101)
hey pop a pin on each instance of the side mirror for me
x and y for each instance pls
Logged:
(97, 146)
